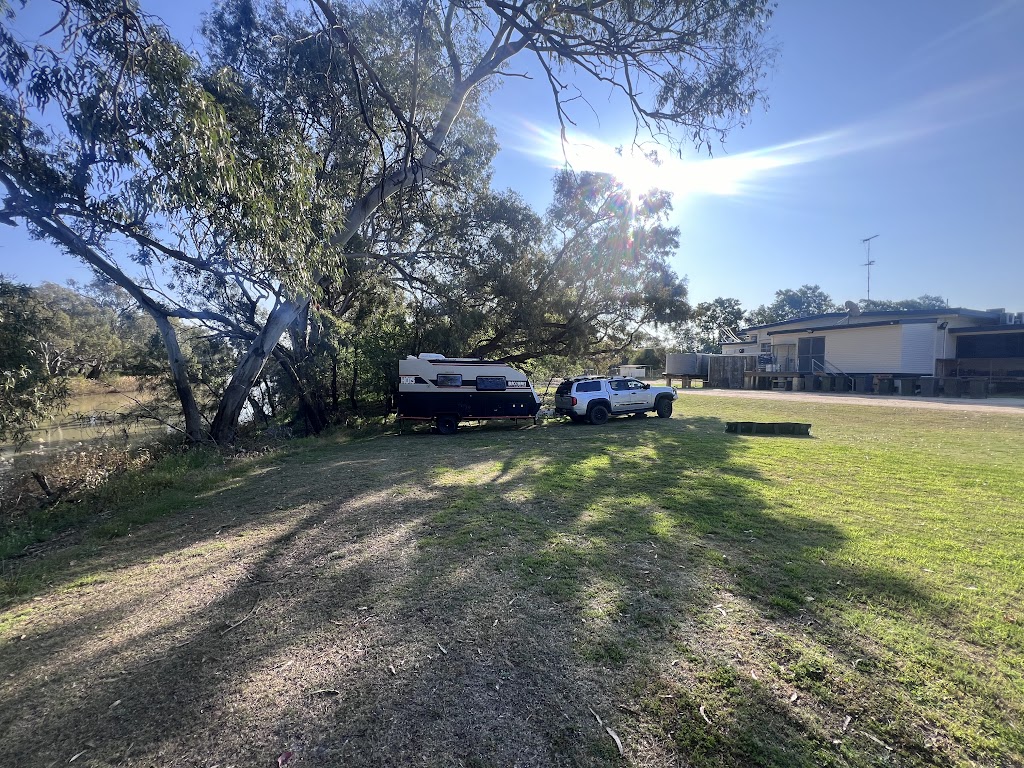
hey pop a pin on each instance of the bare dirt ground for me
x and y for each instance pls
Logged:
(990, 405)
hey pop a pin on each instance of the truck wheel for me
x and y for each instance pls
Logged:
(598, 415)
(446, 425)
(664, 406)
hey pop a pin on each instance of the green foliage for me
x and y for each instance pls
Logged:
(582, 282)
(312, 160)
(806, 300)
(714, 322)
(921, 302)
(78, 336)
(29, 392)
(650, 357)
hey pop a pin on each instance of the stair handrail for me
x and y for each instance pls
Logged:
(825, 367)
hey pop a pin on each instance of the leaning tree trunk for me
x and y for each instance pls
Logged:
(76, 244)
(225, 423)
(194, 430)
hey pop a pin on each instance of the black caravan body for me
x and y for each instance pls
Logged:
(453, 389)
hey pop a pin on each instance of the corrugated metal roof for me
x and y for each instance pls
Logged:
(850, 326)
(881, 314)
(989, 329)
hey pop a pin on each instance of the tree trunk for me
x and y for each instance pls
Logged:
(67, 237)
(179, 374)
(258, 410)
(225, 423)
(334, 383)
(355, 379)
(269, 395)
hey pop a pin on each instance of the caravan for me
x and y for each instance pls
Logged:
(452, 389)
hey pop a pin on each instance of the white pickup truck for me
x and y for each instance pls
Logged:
(595, 398)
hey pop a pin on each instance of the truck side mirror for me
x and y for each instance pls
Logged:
(647, 386)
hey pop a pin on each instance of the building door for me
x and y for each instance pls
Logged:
(810, 352)
(785, 357)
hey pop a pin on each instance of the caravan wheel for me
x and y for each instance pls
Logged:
(446, 425)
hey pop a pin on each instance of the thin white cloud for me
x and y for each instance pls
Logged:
(960, 33)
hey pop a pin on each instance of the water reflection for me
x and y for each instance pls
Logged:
(90, 420)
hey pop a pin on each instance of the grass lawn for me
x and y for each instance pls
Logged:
(537, 597)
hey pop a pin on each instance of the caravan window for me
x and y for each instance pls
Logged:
(449, 379)
(490, 383)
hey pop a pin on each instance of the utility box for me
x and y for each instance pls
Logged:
(951, 387)
(929, 386)
(977, 388)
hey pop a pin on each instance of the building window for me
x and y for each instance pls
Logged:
(766, 347)
(991, 345)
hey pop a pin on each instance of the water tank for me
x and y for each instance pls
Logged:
(686, 364)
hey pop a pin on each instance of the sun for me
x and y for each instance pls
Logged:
(641, 171)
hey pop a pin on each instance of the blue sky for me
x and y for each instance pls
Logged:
(901, 120)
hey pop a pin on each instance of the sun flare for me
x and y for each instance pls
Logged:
(748, 173)
(641, 172)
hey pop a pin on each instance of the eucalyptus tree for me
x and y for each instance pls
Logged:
(802, 302)
(119, 147)
(243, 191)
(716, 321)
(585, 280)
(77, 334)
(688, 71)
(29, 392)
(925, 301)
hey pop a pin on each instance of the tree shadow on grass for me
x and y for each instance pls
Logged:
(476, 600)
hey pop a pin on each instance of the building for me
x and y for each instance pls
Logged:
(953, 343)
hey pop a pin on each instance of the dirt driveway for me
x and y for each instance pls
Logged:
(984, 406)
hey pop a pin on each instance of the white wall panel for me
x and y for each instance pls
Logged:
(865, 350)
(857, 350)
(917, 354)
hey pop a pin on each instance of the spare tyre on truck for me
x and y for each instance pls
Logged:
(449, 390)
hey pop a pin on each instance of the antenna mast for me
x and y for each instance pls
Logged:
(869, 262)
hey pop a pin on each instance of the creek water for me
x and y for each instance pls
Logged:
(88, 420)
